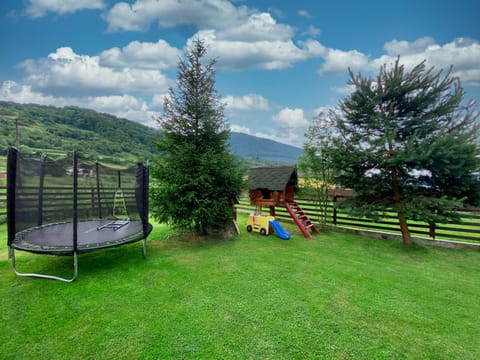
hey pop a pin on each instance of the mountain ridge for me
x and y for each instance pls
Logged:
(58, 130)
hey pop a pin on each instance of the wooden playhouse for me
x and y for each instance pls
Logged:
(272, 186)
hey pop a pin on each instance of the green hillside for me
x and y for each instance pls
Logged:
(57, 131)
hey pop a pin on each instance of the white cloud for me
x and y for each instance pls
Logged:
(344, 90)
(158, 99)
(262, 54)
(286, 137)
(245, 130)
(65, 78)
(325, 110)
(240, 38)
(125, 106)
(312, 31)
(304, 13)
(144, 55)
(395, 47)
(247, 103)
(39, 8)
(240, 129)
(462, 53)
(290, 118)
(289, 137)
(12, 91)
(66, 73)
(258, 27)
(338, 61)
(168, 13)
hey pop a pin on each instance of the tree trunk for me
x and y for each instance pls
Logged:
(406, 237)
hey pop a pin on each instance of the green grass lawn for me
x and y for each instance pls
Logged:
(335, 296)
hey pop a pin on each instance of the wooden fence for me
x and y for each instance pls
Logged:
(3, 200)
(468, 230)
(57, 201)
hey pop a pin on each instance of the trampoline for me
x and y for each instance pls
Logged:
(69, 207)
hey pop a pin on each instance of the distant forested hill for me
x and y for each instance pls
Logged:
(57, 131)
(252, 147)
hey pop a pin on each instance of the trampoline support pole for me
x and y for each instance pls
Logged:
(11, 253)
(144, 247)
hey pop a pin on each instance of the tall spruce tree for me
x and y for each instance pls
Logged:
(406, 143)
(196, 177)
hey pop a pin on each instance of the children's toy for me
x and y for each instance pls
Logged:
(266, 225)
(271, 186)
(281, 233)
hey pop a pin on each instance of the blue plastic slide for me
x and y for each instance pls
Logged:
(281, 233)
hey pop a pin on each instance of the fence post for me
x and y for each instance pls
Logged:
(432, 231)
(334, 211)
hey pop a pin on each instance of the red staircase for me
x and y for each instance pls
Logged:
(301, 219)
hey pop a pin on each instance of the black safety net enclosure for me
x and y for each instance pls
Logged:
(71, 205)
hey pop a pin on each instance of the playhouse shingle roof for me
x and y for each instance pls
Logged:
(274, 178)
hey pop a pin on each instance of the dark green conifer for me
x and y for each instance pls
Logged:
(196, 177)
(405, 142)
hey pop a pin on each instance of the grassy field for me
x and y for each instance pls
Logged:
(335, 296)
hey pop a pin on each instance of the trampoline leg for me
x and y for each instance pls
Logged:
(145, 248)
(43, 276)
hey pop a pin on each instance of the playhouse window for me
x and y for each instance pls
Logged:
(266, 194)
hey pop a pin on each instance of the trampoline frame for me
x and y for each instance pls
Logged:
(11, 255)
(146, 228)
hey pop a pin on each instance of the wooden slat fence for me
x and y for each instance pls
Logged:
(467, 230)
(3, 200)
(58, 200)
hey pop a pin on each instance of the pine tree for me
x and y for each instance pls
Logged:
(196, 177)
(406, 143)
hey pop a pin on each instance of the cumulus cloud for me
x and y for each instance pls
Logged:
(240, 38)
(125, 106)
(257, 27)
(395, 47)
(66, 73)
(158, 100)
(322, 110)
(144, 55)
(290, 118)
(241, 129)
(247, 103)
(462, 53)
(286, 137)
(312, 31)
(13, 91)
(344, 90)
(96, 82)
(39, 8)
(168, 13)
(338, 61)
(261, 54)
(258, 42)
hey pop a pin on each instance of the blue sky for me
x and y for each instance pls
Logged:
(279, 62)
